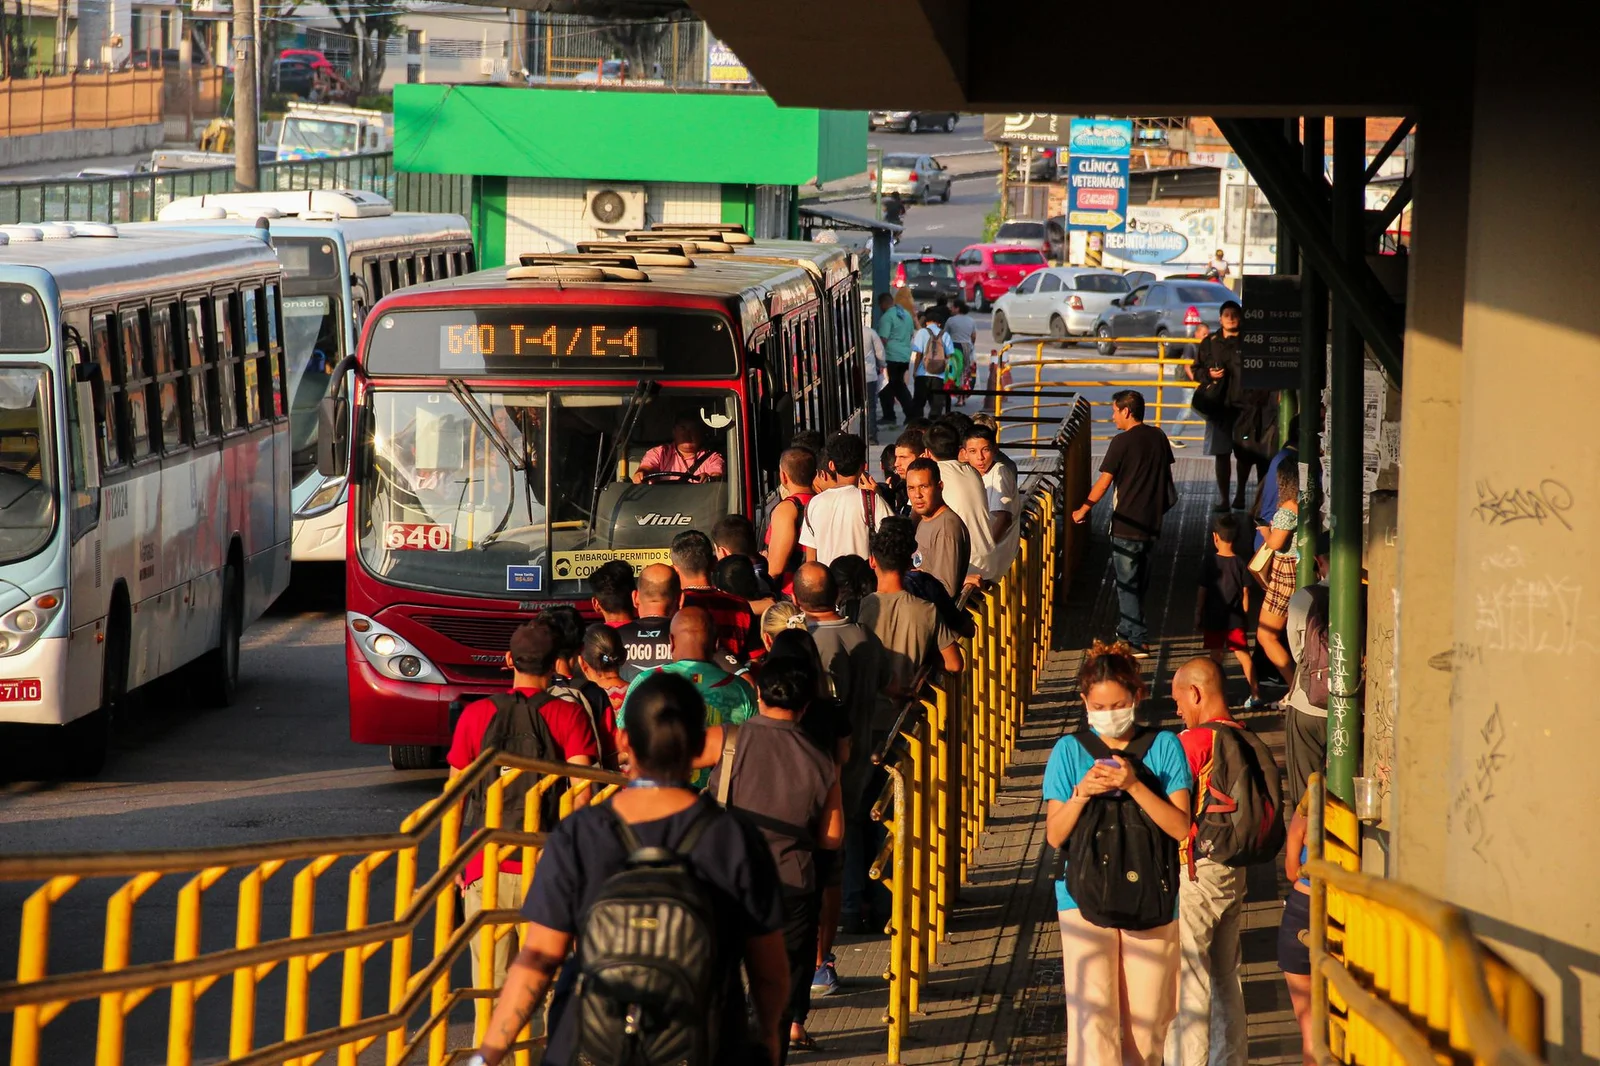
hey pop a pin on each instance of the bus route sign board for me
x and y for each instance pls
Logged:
(1270, 339)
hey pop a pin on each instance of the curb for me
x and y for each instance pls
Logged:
(855, 192)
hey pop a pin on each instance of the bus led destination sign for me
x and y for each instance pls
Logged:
(466, 343)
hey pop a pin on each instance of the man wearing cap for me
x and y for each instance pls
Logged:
(532, 661)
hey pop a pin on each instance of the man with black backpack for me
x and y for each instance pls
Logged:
(1237, 821)
(649, 905)
(526, 721)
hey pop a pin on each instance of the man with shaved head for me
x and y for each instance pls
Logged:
(656, 598)
(693, 639)
(1210, 1027)
(850, 659)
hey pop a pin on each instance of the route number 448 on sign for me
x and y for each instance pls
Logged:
(416, 536)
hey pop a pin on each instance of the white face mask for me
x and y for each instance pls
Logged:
(1112, 723)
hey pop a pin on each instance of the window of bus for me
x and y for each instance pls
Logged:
(226, 353)
(163, 359)
(27, 471)
(108, 399)
(196, 369)
(272, 359)
(488, 491)
(311, 332)
(250, 365)
(135, 385)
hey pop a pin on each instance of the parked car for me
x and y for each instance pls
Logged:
(1059, 301)
(928, 276)
(1025, 233)
(987, 272)
(611, 70)
(1042, 162)
(913, 121)
(914, 177)
(294, 75)
(1162, 309)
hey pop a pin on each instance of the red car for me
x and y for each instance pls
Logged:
(985, 271)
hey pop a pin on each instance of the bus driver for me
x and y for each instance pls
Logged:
(685, 456)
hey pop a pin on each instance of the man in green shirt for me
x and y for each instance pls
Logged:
(895, 328)
(729, 700)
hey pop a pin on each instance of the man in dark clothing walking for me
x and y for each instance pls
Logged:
(1138, 468)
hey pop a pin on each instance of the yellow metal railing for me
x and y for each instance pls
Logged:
(947, 754)
(1167, 389)
(1397, 976)
(37, 997)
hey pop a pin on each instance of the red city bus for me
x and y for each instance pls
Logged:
(501, 418)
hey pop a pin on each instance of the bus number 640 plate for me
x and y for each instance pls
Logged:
(416, 536)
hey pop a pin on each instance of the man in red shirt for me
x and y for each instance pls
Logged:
(532, 661)
(693, 558)
(1210, 899)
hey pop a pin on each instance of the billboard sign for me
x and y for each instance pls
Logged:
(1026, 128)
(1097, 174)
(722, 66)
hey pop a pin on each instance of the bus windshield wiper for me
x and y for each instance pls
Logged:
(485, 423)
(642, 395)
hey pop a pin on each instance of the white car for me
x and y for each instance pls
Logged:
(1060, 302)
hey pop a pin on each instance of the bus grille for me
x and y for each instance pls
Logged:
(488, 634)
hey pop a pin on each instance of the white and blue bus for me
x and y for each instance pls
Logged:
(144, 468)
(343, 250)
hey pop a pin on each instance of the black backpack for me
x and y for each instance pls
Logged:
(652, 986)
(1240, 805)
(517, 728)
(1121, 868)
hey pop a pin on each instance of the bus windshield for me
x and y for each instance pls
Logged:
(311, 350)
(505, 492)
(27, 481)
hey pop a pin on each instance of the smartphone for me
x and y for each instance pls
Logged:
(1110, 764)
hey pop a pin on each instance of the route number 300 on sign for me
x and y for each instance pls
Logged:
(415, 536)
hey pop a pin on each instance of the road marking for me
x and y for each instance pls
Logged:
(106, 798)
(939, 225)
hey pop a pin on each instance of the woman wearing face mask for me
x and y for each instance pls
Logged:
(1119, 940)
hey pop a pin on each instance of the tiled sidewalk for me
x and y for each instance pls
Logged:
(995, 996)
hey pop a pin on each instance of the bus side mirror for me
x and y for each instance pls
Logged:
(333, 446)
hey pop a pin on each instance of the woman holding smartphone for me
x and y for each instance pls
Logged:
(1118, 804)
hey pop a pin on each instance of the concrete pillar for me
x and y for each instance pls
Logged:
(1522, 842)
(1429, 511)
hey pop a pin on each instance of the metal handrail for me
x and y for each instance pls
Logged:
(36, 998)
(1028, 395)
(1428, 1001)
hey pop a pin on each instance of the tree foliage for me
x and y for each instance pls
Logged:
(368, 25)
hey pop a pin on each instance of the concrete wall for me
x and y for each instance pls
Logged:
(1497, 727)
(79, 144)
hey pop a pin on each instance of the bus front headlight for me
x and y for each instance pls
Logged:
(389, 653)
(21, 627)
(327, 497)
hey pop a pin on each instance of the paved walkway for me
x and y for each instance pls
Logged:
(995, 996)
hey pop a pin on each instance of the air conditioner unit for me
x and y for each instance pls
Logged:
(614, 207)
(486, 67)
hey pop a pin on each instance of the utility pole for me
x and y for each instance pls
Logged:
(246, 125)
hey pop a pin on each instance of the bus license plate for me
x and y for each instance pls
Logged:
(416, 536)
(21, 690)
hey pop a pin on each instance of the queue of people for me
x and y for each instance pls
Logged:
(1150, 923)
(934, 346)
(743, 688)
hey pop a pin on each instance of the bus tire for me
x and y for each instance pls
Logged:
(83, 744)
(217, 672)
(414, 756)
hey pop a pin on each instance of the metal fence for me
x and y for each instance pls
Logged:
(947, 754)
(1161, 377)
(140, 197)
(403, 946)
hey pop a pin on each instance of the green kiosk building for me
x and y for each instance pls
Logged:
(558, 166)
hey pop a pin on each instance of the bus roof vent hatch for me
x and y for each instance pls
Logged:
(726, 232)
(644, 253)
(576, 268)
